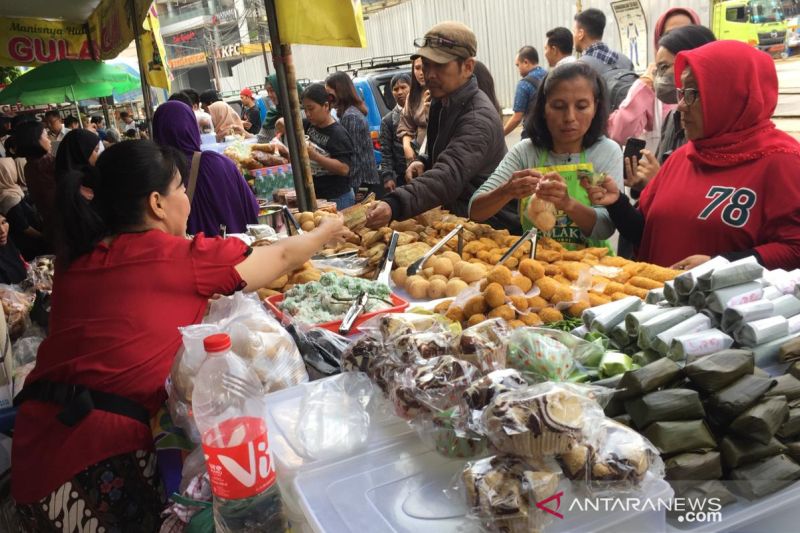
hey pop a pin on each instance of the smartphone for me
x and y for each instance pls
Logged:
(634, 147)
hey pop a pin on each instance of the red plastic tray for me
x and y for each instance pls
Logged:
(400, 305)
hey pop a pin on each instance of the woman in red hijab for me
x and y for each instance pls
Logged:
(732, 190)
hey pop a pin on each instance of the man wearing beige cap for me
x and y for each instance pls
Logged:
(465, 140)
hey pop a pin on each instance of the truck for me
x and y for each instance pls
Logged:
(760, 23)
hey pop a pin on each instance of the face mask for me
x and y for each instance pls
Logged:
(665, 89)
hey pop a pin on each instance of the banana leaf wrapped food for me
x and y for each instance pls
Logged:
(634, 320)
(728, 403)
(741, 451)
(762, 331)
(704, 491)
(791, 426)
(716, 371)
(699, 344)
(734, 317)
(762, 478)
(761, 422)
(663, 340)
(645, 357)
(604, 317)
(793, 449)
(788, 386)
(722, 299)
(731, 275)
(685, 282)
(790, 350)
(693, 465)
(662, 322)
(680, 436)
(648, 378)
(665, 405)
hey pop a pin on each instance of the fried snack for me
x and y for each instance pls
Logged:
(452, 256)
(635, 291)
(531, 268)
(504, 311)
(472, 273)
(407, 254)
(443, 266)
(263, 294)
(519, 302)
(576, 255)
(439, 277)
(552, 270)
(633, 268)
(613, 287)
(306, 276)
(530, 319)
(573, 270)
(537, 302)
(475, 306)
(522, 282)
(442, 307)
(500, 274)
(562, 280)
(547, 287)
(418, 288)
(512, 263)
(564, 293)
(548, 243)
(614, 261)
(455, 313)
(590, 260)
(598, 299)
(577, 309)
(597, 252)
(494, 295)
(550, 315)
(474, 247)
(548, 256)
(623, 277)
(514, 324)
(619, 296)
(436, 289)
(658, 273)
(495, 258)
(474, 320)
(645, 283)
(454, 287)
(399, 276)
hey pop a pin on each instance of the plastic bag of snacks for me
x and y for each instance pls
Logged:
(486, 344)
(502, 493)
(431, 385)
(334, 416)
(321, 349)
(612, 457)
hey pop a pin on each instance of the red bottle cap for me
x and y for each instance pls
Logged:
(217, 343)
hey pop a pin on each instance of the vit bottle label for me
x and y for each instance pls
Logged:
(237, 458)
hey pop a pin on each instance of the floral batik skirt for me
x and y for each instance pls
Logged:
(118, 495)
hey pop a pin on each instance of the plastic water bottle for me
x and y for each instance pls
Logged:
(281, 176)
(270, 184)
(258, 183)
(227, 403)
(289, 176)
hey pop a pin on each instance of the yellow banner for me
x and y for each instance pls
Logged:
(30, 42)
(152, 53)
(321, 22)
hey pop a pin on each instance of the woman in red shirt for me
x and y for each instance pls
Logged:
(127, 278)
(732, 190)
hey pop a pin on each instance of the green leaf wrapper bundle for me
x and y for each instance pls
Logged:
(655, 296)
(699, 344)
(648, 378)
(793, 449)
(762, 478)
(665, 405)
(790, 350)
(734, 317)
(722, 299)
(619, 336)
(685, 283)
(698, 466)
(762, 331)
(634, 320)
(716, 371)
(662, 322)
(693, 324)
(693, 490)
(794, 370)
(730, 402)
(731, 275)
(741, 451)
(761, 422)
(682, 436)
(604, 318)
(645, 357)
(791, 426)
(788, 386)
(614, 363)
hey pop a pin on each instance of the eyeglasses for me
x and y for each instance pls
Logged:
(437, 42)
(689, 96)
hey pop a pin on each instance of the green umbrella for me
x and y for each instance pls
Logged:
(68, 80)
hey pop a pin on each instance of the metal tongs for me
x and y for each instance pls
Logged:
(387, 262)
(288, 217)
(532, 235)
(353, 313)
(416, 265)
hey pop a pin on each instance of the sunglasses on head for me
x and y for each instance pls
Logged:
(437, 42)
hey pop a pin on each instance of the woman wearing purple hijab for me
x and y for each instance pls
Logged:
(222, 195)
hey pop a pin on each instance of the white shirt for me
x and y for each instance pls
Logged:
(55, 140)
(566, 59)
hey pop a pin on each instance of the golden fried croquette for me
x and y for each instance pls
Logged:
(550, 315)
(500, 274)
(531, 268)
(494, 295)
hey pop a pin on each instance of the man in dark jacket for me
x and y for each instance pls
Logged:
(465, 140)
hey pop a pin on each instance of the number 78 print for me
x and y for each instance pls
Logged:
(739, 203)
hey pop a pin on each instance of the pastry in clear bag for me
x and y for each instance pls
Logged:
(433, 385)
(485, 344)
(542, 214)
(502, 493)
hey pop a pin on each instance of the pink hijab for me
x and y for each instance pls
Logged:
(662, 20)
(225, 120)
